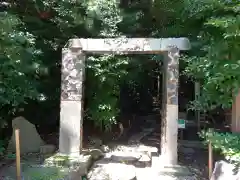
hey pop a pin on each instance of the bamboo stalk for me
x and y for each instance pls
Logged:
(18, 163)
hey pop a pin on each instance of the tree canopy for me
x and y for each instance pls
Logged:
(33, 32)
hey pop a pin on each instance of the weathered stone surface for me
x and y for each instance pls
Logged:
(125, 159)
(224, 170)
(30, 140)
(169, 127)
(105, 148)
(71, 115)
(73, 69)
(96, 154)
(112, 171)
(129, 45)
(129, 157)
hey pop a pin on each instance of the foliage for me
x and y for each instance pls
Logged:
(19, 63)
(102, 102)
(215, 63)
(227, 143)
(106, 70)
(30, 51)
(37, 19)
(46, 173)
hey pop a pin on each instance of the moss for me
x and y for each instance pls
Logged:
(44, 173)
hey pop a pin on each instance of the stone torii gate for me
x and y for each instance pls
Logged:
(72, 86)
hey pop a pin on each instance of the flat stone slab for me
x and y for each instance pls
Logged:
(125, 156)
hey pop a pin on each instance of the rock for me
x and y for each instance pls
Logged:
(127, 157)
(96, 154)
(223, 171)
(112, 171)
(30, 140)
(105, 149)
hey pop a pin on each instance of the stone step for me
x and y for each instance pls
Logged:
(122, 163)
(137, 159)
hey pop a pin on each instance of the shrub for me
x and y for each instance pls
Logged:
(227, 143)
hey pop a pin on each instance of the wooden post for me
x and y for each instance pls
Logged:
(210, 160)
(18, 163)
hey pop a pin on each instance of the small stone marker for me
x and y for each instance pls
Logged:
(30, 140)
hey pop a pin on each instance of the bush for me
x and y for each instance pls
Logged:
(227, 143)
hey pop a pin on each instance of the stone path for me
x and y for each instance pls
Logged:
(192, 154)
(137, 161)
(134, 162)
